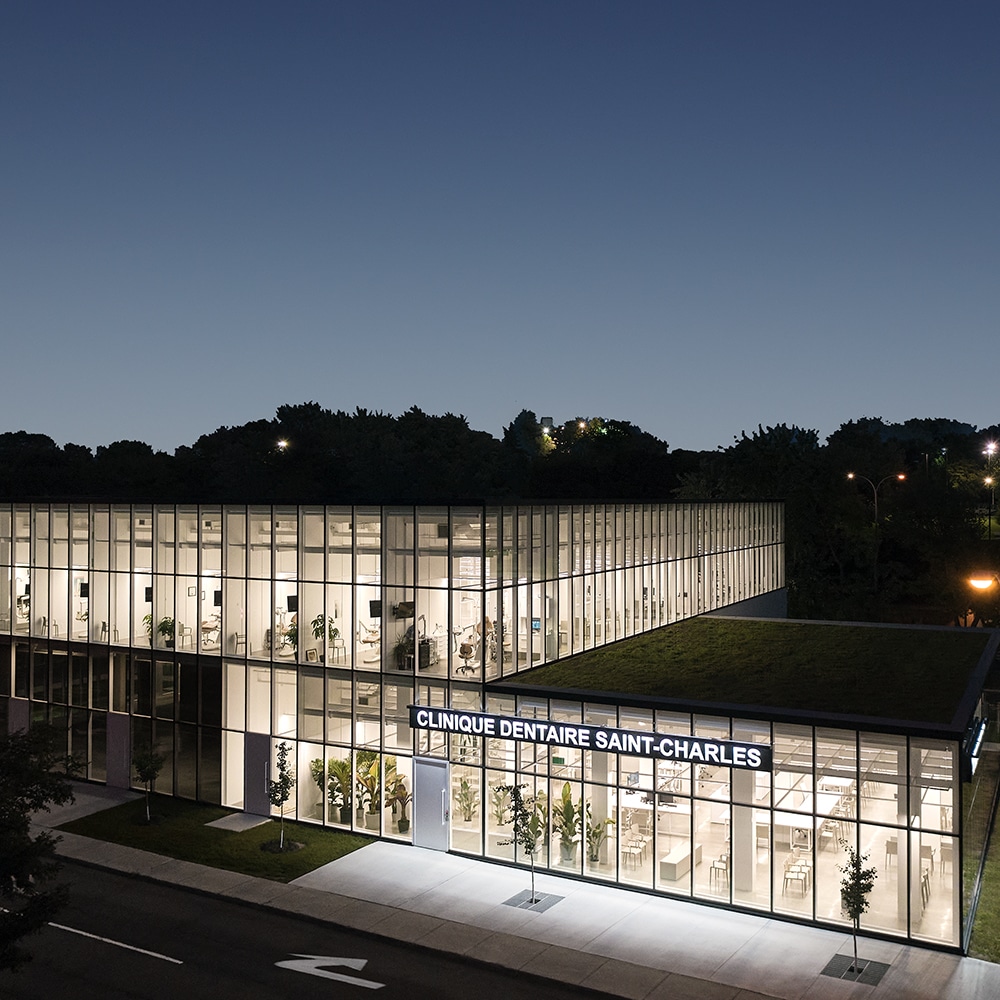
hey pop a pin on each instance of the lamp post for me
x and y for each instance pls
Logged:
(899, 476)
(981, 582)
(991, 483)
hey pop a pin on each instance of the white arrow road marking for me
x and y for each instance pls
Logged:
(312, 965)
(117, 944)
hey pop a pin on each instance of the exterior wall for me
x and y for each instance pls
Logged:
(319, 626)
(767, 840)
(772, 605)
(215, 633)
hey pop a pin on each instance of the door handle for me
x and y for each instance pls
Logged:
(444, 806)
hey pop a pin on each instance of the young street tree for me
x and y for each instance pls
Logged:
(279, 789)
(529, 824)
(148, 764)
(30, 781)
(855, 886)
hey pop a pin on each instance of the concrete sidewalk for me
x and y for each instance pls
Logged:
(623, 943)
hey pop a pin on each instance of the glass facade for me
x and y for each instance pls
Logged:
(214, 633)
(763, 840)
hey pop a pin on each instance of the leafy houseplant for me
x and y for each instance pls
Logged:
(324, 780)
(403, 649)
(597, 834)
(339, 787)
(318, 771)
(319, 623)
(370, 787)
(500, 804)
(290, 636)
(467, 800)
(164, 628)
(567, 821)
(400, 797)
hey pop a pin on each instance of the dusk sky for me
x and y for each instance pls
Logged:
(698, 217)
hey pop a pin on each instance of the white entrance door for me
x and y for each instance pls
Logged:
(431, 805)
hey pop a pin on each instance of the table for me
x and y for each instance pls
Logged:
(678, 862)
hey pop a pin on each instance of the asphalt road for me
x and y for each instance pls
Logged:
(196, 947)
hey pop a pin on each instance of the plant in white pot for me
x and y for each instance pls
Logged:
(567, 822)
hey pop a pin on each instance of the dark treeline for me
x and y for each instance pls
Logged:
(932, 530)
(360, 457)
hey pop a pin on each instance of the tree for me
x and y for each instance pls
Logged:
(528, 815)
(854, 888)
(30, 780)
(148, 764)
(279, 789)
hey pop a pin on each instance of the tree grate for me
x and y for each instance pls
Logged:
(842, 967)
(541, 902)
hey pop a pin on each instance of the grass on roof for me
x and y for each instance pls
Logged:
(916, 675)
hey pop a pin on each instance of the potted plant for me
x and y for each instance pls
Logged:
(164, 628)
(500, 804)
(567, 819)
(467, 800)
(290, 637)
(597, 834)
(317, 768)
(400, 796)
(370, 787)
(402, 651)
(339, 788)
(321, 622)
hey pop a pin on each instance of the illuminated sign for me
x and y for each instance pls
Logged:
(686, 749)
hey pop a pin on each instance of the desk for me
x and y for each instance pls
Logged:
(678, 862)
(829, 783)
(793, 798)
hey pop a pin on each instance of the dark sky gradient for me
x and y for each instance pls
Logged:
(698, 217)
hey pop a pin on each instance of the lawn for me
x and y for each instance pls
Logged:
(911, 674)
(985, 942)
(179, 831)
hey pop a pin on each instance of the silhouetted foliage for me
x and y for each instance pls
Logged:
(33, 771)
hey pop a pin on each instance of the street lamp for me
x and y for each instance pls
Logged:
(989, 451)
(875, 488)
(991, 483)
(984, 582)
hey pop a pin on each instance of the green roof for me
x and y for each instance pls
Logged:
(887, 672)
